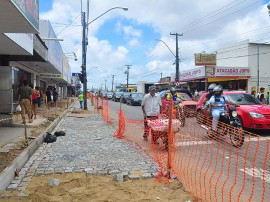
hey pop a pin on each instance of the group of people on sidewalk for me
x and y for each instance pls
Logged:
(31, 98)
(260, 96)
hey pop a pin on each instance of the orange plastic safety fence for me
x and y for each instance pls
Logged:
(102, 107)
(121, 125)
(228, 164)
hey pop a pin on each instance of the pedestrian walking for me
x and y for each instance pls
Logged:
(81, 99)
(40, 98)
(151, 107)
(55, 97)
(25, 100)
(48, 97)
(35, 96)
(260, 95)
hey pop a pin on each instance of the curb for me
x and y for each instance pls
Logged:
(8, 173)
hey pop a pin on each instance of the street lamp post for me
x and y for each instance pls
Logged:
(176, 59)
(84, 44)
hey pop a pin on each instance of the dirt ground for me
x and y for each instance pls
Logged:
(79, 187)
(19, 146)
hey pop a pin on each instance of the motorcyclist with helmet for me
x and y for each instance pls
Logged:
(210, 92)
(173, 95)
(206, 106)
(218, 103)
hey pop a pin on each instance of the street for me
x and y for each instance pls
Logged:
(196, 153)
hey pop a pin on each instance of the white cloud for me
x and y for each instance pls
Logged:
(133, 42)
(130, 31)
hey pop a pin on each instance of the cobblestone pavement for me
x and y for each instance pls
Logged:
(88, 146)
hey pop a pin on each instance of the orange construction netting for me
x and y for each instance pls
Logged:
(229, 164)
(102, 106)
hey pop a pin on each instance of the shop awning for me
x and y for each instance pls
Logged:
(225, 79)
(11, 47)
(19, 16)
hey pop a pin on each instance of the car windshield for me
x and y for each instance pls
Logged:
(118, 93)
(137, 95)
(184, 97)
(109, 93)
(243, 99)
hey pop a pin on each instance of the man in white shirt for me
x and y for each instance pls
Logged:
(151, 107)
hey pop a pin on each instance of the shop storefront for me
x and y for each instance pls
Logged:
(231, 78)
(193, 79)
(11, 78)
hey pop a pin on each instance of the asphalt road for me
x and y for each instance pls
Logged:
(246, 169)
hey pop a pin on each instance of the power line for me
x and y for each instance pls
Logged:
(221, 17)
(208, 16)
(68, 25)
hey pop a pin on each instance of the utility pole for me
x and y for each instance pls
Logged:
(84, 61)
(105, 85)
(258, 68)
(112, 81)
(160, 77)
(127, 73)
(177, 57)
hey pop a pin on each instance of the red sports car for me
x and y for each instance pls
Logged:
(252, 113)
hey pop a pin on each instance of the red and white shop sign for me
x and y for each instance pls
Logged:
(192, 74)
(227, 72)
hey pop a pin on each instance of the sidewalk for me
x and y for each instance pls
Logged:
(88, 147)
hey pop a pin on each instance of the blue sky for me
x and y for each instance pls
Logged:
(128, 37)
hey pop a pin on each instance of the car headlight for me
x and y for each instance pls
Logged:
(234, 114)
(255, 115)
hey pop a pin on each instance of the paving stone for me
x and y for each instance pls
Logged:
(91, 149)
(53, 182)
(88, 169)
(134, 177)
(22, 194)
(112, 172)
(118, 178)
(78, 170)
(70, 170)
(12, 187)
(39, 173)
(91, 172)
(27, 179)
(146, 175)
(102, 173)
(59, 171)
(49, 172)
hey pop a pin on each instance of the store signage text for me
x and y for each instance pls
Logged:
(192, 74)
(48, 75)
(205, 59)
(230, 72)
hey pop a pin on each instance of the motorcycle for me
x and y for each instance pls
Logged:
(230, 124)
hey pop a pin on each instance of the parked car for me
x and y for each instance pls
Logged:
(117, 96)
(253, 114)
(186, 101)
(125, 96)
(108, 95)
(135, 99)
